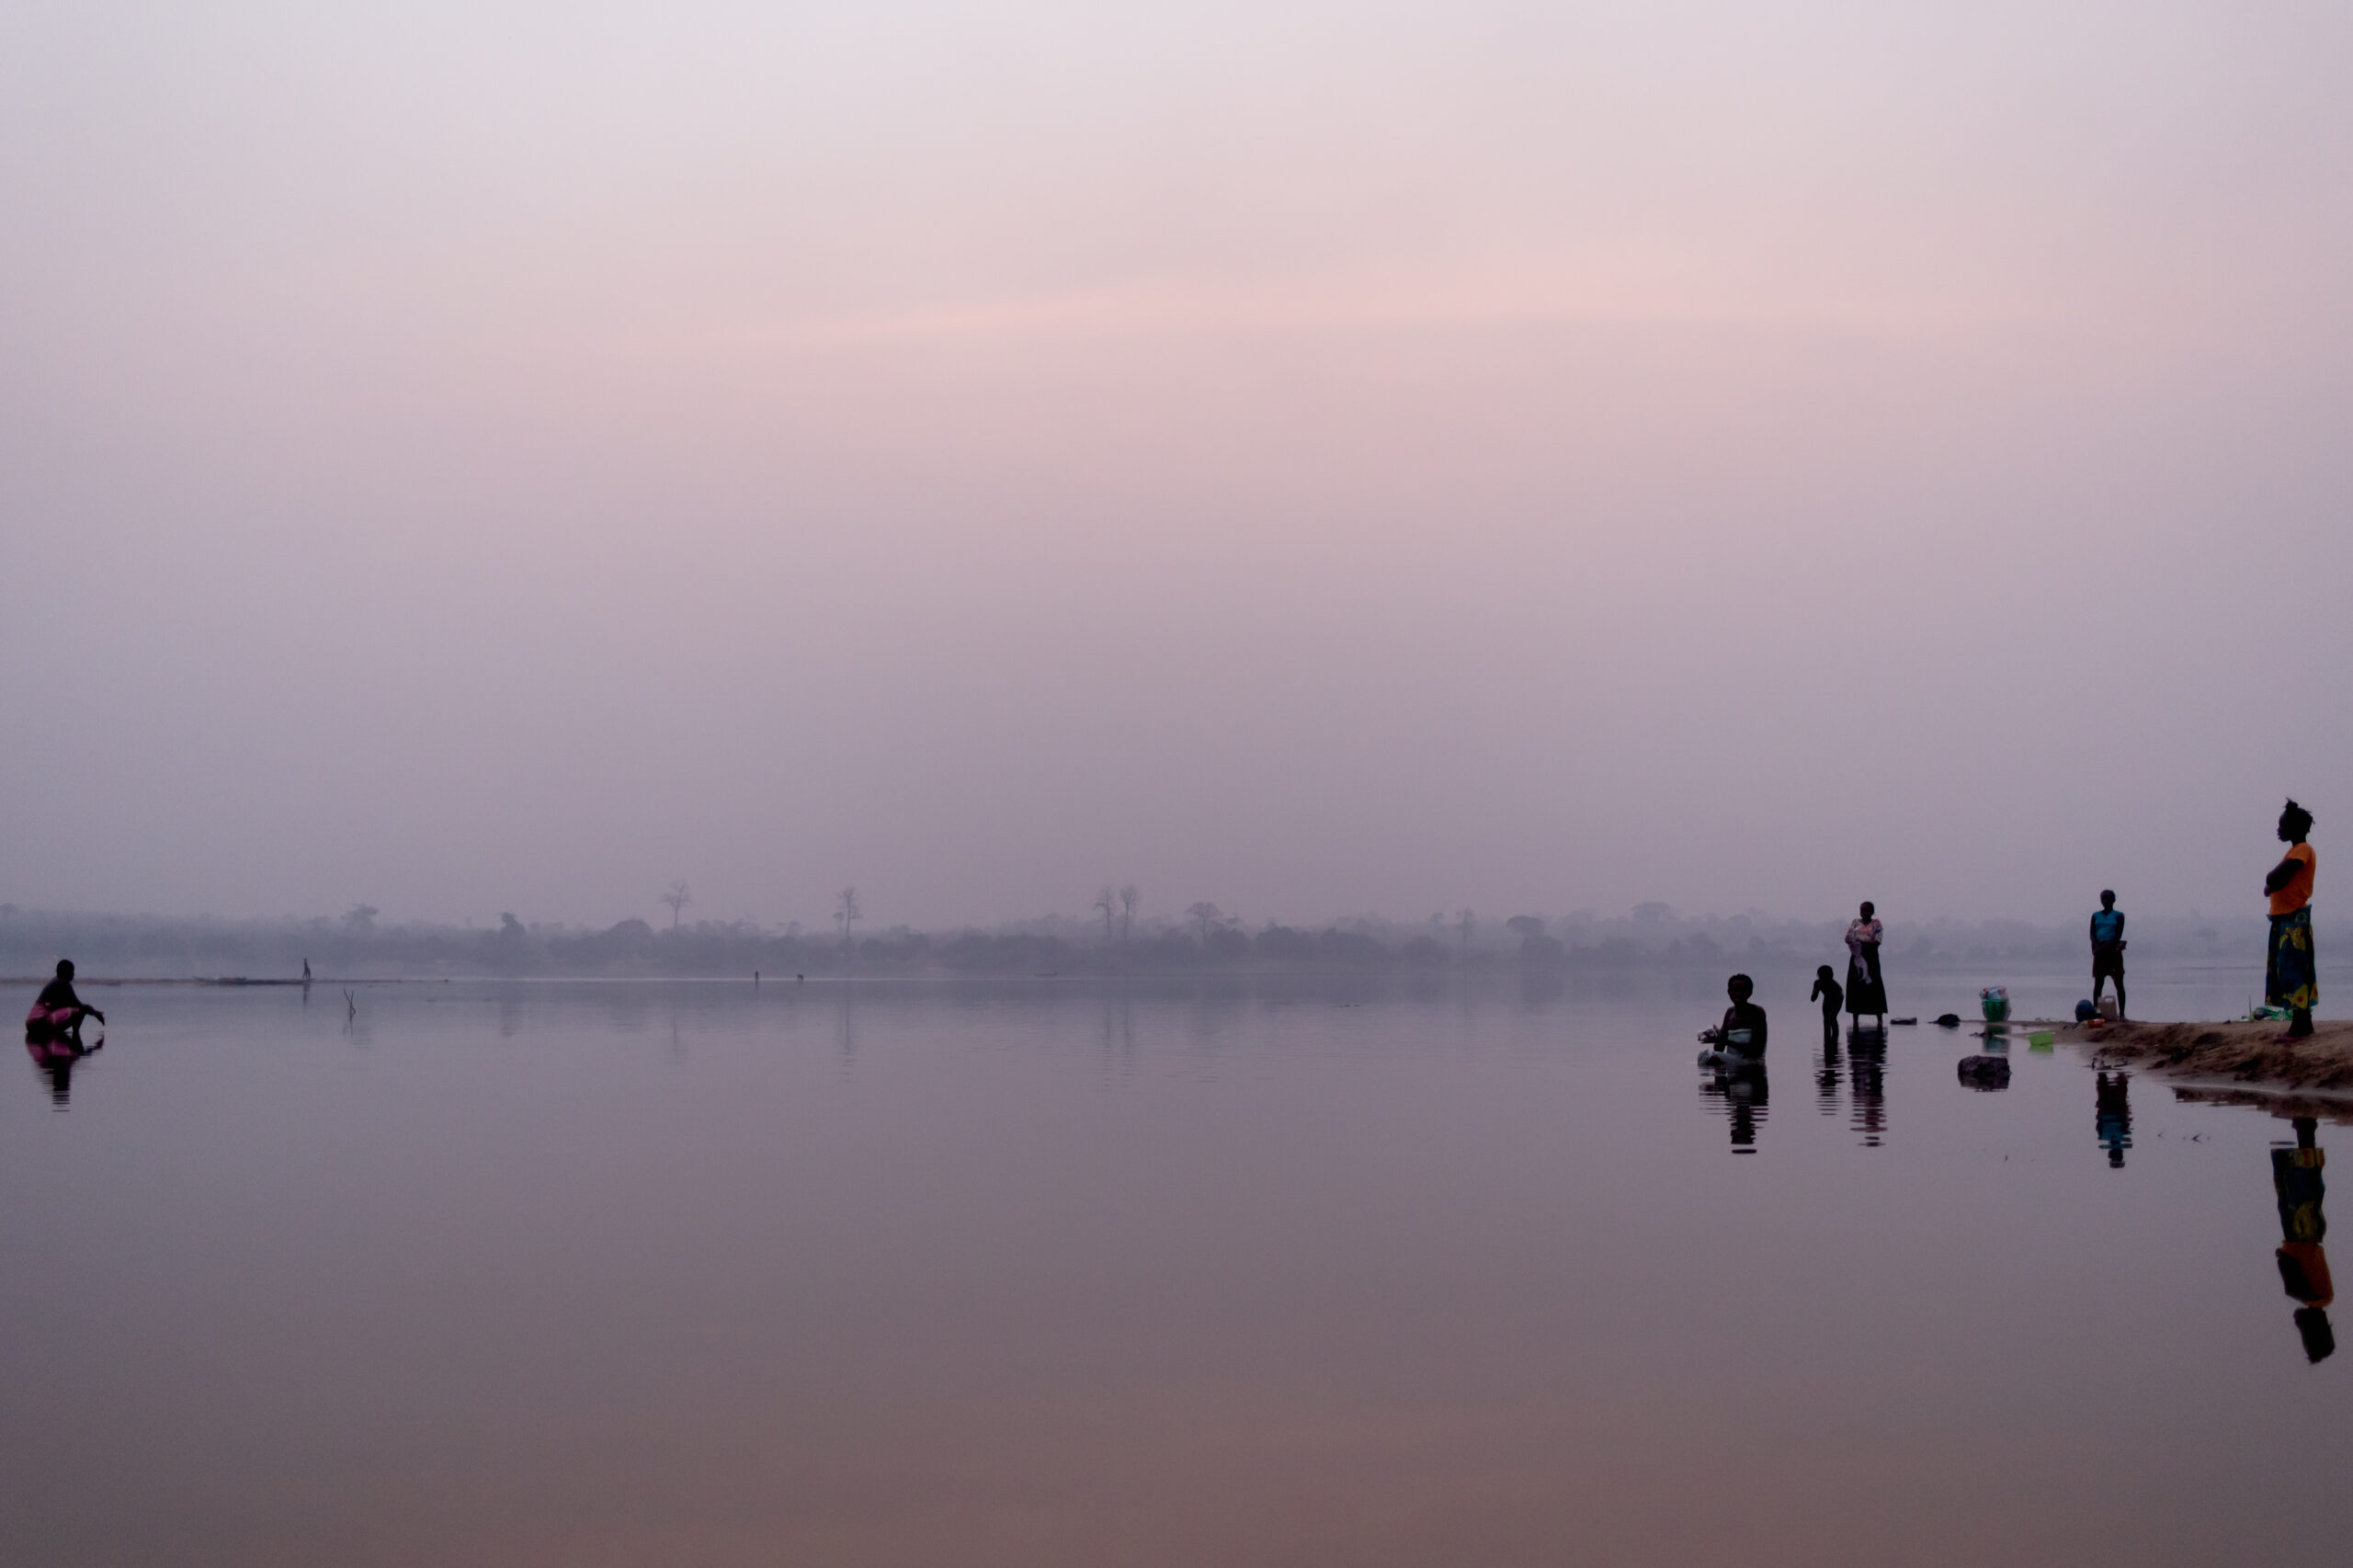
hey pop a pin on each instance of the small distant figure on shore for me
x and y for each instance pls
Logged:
(2288, 978)
(1832, 998)
(306, 971)
(1866, 987)
(2297, 1183)
(1741, 1034)
(57, 1013)
(2108, 949)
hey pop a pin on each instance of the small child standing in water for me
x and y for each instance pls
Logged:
(1834, 997)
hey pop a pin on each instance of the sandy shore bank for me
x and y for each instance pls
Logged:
(2240, 1053)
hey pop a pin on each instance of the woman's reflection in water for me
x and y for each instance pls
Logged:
(1867, 1052)
(1745, 1094)
(2112, 1116)
(55, 1056)
(2303, 1266)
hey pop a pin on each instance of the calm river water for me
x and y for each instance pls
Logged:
(1045, 1273)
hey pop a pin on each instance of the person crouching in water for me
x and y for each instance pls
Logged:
(57, 1013)
(1832, 998)
(1741, 1033)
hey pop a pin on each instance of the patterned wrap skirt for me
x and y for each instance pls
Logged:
(1866, 987)
(2289, 980)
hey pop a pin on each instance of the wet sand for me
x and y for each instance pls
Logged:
(2241, 1053)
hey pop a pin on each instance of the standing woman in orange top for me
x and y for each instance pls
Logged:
(2289, 980)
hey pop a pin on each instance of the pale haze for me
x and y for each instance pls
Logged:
(1320, 459)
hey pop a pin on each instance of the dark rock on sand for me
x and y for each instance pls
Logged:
(1986, 1072)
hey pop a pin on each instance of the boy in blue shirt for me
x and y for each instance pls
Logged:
(2108, 948)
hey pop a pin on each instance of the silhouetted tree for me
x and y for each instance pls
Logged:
(1107, 903)
(1464, 924)
(1206, 917)
(1127, 897)
(359, 921)
(509, 947)
(677, 898)
(849, 911)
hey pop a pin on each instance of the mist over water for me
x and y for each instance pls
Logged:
(465, 460)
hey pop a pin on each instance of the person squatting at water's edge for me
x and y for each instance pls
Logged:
(53, 1032)
(57, 1013)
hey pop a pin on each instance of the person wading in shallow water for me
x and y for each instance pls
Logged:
(1866, 988)
(1741, 1033)
(2108, 949)
(1833, 997)
(2288, 979)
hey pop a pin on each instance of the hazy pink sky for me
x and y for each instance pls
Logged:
(1315, 458)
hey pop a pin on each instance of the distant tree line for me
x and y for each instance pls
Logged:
(1109, 940)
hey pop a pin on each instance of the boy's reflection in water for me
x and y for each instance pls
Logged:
(2112, 1116)
(1826, 1074)
(1745, 1094)
(1867, 1052)
(2303, 1266)
(55, 1056)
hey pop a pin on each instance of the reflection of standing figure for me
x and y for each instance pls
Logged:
(1866, 988)
(1867, 1052)
(2112, 1115)
(2304, 1267)
(1826, 1076)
